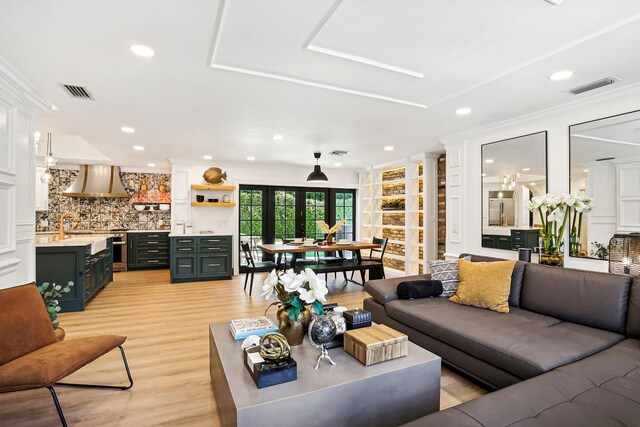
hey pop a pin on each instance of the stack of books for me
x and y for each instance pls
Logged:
(242, 328)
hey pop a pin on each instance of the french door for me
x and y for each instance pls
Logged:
(272, 214)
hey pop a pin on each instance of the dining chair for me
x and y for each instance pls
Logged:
(376, 254)
(253, 266)
(31, 355)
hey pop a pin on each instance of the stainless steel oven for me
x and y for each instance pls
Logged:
(119, 251)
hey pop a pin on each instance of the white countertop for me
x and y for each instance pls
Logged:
(172, 234)
(97, 242)
(148, 231)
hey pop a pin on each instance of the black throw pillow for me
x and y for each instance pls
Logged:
(419, 289)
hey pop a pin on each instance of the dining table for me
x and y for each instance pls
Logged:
(298, 249)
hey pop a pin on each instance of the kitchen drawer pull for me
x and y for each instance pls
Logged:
(153, 243)
(153, 260)
(152, 251)
(214, 265)
(214, 249)
(185, 241)
(185, 266)
(503, 239)
(152, 235)
(213, 240)
(185, 249)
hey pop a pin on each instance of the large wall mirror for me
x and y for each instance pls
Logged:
(605, 165)
(513, 171)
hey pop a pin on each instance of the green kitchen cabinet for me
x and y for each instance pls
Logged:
(201, 258)
(89, 273)
(147, 250)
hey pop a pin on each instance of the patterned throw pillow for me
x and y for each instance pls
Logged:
(447, 272)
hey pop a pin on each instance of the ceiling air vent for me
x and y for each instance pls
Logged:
(593, 85)
(77, 91)
(339, 153)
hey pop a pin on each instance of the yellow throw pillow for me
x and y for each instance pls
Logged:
(485, 284)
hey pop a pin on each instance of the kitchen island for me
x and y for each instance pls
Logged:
(85, 260)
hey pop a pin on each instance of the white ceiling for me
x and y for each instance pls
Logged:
(326, 74)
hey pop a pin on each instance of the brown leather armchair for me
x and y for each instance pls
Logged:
(30, 355)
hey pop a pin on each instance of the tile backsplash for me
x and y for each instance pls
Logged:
(101, 213)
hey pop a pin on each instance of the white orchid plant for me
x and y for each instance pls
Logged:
(554, 210)
(295, 291)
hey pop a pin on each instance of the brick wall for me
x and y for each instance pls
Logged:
(420, 269)
(420, 219)
(393, 189)
(442, 206)
(393, 263)
(392, 219)
(393, 233)
(395, 249)
(420, 236)
(393, 174)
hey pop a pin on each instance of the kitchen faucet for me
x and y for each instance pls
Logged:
(61, 234)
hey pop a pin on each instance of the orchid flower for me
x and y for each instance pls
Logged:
(317, 288)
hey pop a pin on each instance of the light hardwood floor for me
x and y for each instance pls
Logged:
(167, 349)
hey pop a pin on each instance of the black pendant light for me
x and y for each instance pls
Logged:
(317, 175)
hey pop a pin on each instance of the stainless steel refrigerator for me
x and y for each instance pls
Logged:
(502, 210)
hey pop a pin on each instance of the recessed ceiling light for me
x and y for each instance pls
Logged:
(151, 165)
(388, 148)
(337, 164)
(560, 75)
(463, 111)
(207, 157)
(142, 50)
(54, 107)
(526, 169)
(484, 174)
(277, 137)
(138, 147)
(489, 161)
(251, 158)
(586, 170)
(532, 183)
(127, 129)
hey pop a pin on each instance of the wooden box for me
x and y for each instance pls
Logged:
(375, 344)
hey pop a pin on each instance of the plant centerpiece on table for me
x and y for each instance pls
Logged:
(582, 205)
(324, 228)
(295, 293)
(51, 293)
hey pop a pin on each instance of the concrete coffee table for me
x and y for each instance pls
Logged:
(347, 394)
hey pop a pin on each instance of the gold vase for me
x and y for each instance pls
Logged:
(554, 259)
(294, 331)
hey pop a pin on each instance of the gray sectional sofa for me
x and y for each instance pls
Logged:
(568, 353)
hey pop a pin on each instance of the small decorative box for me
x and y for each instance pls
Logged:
(267, 373)
(375, 344)
(357, 319)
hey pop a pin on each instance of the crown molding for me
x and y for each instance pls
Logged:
(612, 97)
(18, 87)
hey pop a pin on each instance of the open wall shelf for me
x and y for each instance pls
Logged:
(412, 230)
(213, 187)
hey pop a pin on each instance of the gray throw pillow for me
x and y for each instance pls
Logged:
(447, 272)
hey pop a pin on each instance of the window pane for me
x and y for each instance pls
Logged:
(290, 213)
(256, 213)
(245, 227)
(256, 197)
(256, 228)
(348, 199)
(245, 212)
(245, 197)
(279, 197)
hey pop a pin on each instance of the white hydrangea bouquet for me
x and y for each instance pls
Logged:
(554, 210)
(296, 291)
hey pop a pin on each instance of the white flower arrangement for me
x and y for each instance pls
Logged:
(554, 212)
(295, 291)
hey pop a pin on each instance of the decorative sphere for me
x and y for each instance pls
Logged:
(322, 330)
